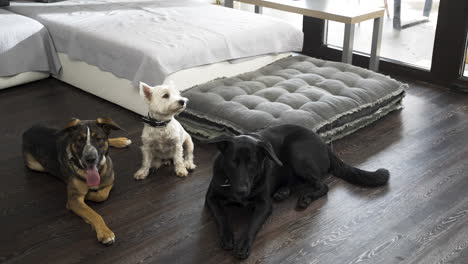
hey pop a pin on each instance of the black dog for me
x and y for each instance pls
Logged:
(256, 168)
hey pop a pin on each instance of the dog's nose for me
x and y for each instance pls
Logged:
(90, 159)
(242, 191)
(182, 102)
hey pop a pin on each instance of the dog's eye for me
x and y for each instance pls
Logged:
(165, 96)
(99, 138)
(81, 139)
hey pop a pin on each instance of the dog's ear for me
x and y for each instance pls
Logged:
(72, 123)
(69, 126)
(268, 148)
(107, 124)
(221, 142)
(146, 91)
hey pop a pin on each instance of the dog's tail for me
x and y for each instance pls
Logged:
(120, 142)
(357, 176)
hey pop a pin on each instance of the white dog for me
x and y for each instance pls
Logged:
(163, 137)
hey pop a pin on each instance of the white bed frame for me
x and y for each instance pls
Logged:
(25, 77)
(121, 92)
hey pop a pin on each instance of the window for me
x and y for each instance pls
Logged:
(408, 31)
(466, 64)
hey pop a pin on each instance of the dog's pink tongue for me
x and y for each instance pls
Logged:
(92, 177)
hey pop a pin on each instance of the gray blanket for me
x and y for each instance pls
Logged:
(25, 46)
(147, 40)
(331, 98)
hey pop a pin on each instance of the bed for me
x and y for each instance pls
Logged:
(26, 50)
(163, 40)
(235, 67)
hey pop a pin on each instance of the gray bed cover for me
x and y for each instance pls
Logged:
(25, 46)
(147, 40)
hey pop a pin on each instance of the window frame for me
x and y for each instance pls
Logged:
(448, 57)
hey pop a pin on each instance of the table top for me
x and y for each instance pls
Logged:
(345, 11)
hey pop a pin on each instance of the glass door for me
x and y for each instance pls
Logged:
(408, 31)
(422, 39)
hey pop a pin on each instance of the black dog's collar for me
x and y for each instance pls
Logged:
(226, 183)
(153, 122)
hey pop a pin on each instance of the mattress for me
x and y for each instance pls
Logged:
(25, 46)
(121, 91)
(331, 98)
(150, 39)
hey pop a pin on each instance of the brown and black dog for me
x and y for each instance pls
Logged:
(77, 154)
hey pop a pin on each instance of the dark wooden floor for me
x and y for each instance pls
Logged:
(421, 217)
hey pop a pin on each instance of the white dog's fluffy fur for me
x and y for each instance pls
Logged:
(170, 142)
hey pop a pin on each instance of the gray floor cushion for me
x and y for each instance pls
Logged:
(331, 98)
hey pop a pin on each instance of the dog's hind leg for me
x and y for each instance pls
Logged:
(282, 194)
(284, 190)
(120, 142)
(188, 153)
(307, 171)
(312, 193)
(32, 163)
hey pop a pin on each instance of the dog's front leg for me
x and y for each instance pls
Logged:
(100, 195)
(262, 210)
(180, 169)
(224, 228)
(147, 154)
(75, 203)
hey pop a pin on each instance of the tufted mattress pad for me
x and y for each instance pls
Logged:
(331, 98)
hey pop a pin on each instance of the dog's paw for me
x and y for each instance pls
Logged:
(281, 194)
(120, 142)
(304, 201)
(227, 242)
(242, 249)
(141, 174)
(181, 171)
(105, 236)
(189, 165)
